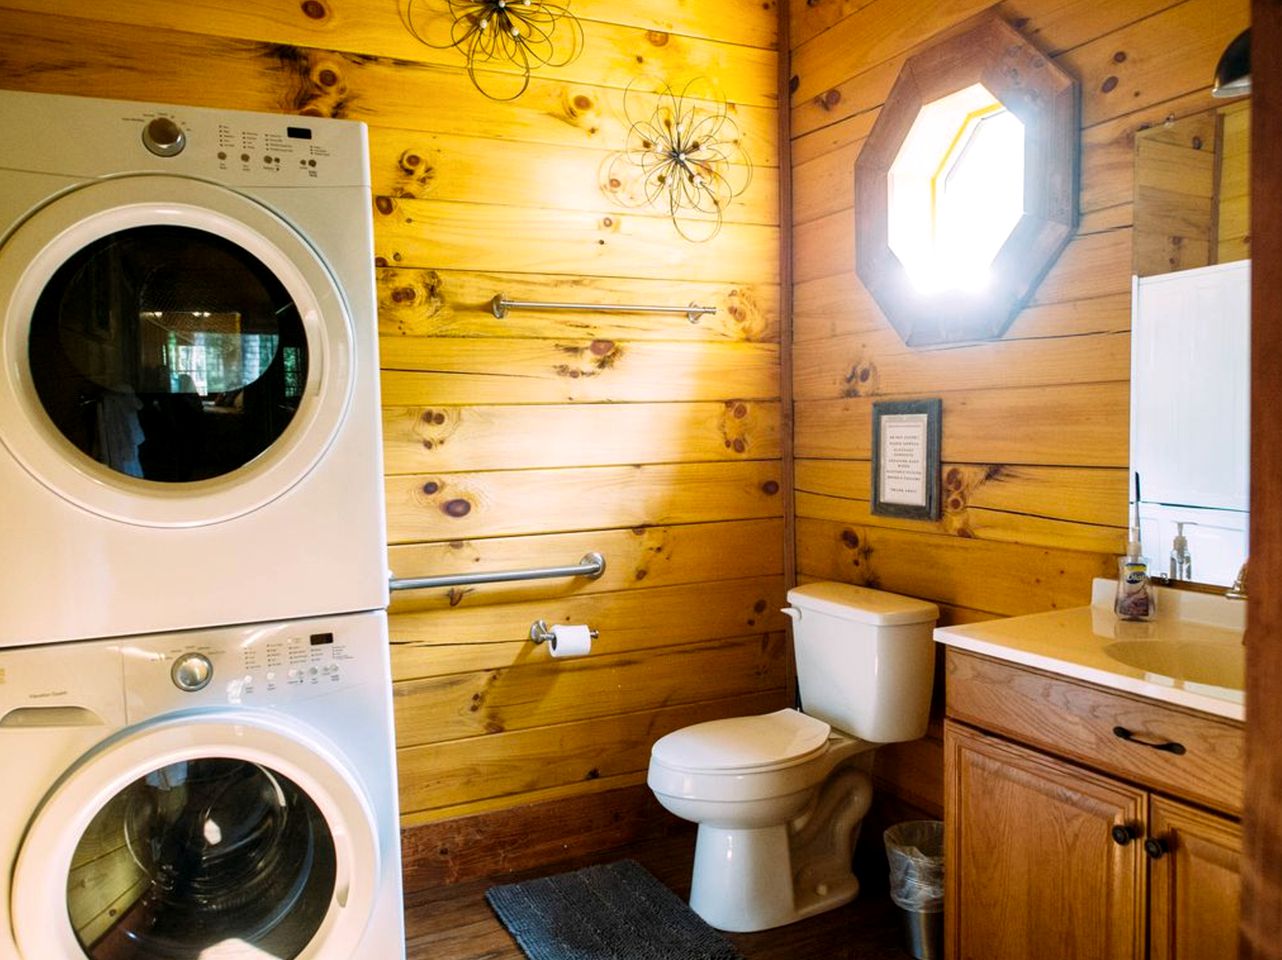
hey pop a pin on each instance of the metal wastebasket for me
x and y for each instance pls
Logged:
(915, 850)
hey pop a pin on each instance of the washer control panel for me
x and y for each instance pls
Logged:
(266, 665)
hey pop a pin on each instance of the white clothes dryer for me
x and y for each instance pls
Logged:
(190, 431)
(223, 793)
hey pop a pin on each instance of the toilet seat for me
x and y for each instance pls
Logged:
(743, 744)
(746, 759)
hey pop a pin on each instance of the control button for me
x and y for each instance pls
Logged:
(271, 675)
(164, 138)
(192, 672)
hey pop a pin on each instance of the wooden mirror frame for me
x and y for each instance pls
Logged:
(1045, 99)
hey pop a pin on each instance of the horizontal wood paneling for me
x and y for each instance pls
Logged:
(525, 695)
(1075, 425)
(651, 556)
(422, 439)
(533, 439)
(450, 303)
(521, 764)
(450, 506)
(79, 56)
(464, 371)
(1001, 578)
(1035, 426)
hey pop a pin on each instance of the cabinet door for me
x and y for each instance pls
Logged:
(1194, 882)
(1032, 867)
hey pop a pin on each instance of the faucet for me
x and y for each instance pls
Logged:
(1238, 590)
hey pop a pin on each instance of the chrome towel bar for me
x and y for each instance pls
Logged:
(592, 565)
(500, 305)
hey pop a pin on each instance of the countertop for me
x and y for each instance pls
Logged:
(1191, 655)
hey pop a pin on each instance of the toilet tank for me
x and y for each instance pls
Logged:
(865, 659)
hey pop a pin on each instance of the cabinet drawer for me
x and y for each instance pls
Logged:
(1078, 720)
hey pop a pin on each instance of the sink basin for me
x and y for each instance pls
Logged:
(1202, 662)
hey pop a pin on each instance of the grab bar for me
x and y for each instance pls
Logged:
(592, 565)
(500, 305)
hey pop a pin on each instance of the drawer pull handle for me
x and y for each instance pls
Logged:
(1123, 833)
(1168, 746)
(1155, 848)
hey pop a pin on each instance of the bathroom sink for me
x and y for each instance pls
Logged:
(1202, 662)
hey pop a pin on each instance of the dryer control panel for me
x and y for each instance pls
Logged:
(234, 147)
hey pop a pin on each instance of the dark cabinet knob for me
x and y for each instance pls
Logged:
(1156, 848)
(1123, 833)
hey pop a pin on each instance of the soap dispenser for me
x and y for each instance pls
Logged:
(1181, 560)
(1136, 599)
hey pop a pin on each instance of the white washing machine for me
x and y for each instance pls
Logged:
(223, 793)
(189, 410)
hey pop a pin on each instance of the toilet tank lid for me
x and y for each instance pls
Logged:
(742, 743)
(862, 604)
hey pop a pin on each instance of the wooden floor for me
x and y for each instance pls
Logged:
(453, 922)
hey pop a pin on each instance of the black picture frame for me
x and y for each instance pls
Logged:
(905, 458)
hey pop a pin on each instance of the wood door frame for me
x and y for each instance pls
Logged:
(1261, 931)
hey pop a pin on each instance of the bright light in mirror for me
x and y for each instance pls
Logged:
(956, 190)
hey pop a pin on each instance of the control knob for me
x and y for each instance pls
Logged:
(164, 138)
(192, 672)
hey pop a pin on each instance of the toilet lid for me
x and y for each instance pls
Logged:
(742, 743)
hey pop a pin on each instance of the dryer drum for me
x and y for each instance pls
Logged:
(204, 853)
(168, 353)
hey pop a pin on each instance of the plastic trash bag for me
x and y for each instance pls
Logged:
(915, 850)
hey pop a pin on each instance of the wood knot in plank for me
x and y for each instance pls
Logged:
(314, 10)
(861, 379)
(734, 425)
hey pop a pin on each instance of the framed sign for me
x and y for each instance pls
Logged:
(905, 459)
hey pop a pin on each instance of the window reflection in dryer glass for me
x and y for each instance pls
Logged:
(205, 858)
(168, 354)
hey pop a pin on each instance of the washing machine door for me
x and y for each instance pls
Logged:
(174, 353)
(201, 838)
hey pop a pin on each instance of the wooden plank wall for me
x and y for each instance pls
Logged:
(1035, 425)
(529, 441)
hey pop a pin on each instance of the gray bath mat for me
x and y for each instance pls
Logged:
(614, 911)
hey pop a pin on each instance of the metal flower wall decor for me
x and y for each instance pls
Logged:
(503, 40)
(684, 155)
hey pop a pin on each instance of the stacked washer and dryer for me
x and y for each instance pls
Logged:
(195, 696)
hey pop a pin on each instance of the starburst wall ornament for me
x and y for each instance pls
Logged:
(503, 40)
(683, 155)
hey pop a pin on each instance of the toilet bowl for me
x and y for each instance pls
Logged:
(779, 798)
(769, 808)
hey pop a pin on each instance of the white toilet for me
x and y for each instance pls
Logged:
(779, 798)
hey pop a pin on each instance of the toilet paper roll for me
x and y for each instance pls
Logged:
(570, 640)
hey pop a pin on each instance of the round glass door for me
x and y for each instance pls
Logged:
(202, 858)
(203, 837)
(174, 353)
(168, 354)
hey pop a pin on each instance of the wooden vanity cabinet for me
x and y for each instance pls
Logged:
(1051, 855)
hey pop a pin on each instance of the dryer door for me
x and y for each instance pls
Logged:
(197, 839)
(174, 354)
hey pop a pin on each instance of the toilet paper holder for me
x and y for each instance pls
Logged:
(540, 632)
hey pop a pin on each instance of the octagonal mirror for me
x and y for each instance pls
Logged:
(965, 191)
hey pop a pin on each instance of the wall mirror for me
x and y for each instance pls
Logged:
(965, 190)
(1190, 340)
